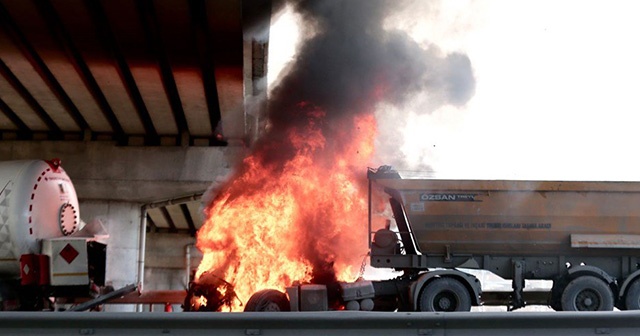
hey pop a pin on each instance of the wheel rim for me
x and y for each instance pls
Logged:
(270, 306)
(445, 301)
(588, 300)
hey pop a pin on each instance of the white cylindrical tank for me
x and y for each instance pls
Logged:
(37, 201)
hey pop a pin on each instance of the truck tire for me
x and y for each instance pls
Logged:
(268, 300)
(587, 293)
(444, 294)
(632, 298)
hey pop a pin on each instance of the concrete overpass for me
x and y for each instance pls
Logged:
(145, 102)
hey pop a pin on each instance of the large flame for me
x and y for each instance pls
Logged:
(294, 216)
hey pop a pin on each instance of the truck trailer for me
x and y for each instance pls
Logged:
(582, 236)
(45, 249)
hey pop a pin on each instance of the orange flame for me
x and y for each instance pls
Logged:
(298, 218)
(202, 301)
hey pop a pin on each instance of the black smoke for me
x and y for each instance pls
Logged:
(353, 63)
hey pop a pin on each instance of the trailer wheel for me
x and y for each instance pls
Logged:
(632, 298)
(587, 293)
(268, 300)
(445, 294)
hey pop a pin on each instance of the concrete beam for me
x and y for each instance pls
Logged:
(103, 171)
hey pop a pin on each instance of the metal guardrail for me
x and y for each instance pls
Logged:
(321, 323)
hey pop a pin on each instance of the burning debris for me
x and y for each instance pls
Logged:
(211, 293)
(296, 208)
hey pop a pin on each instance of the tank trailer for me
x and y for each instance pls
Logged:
(582, 236)
(45, 249)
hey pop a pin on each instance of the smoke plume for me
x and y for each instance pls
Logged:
(352, 64)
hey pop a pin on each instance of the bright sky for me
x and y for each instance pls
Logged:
(555, 93)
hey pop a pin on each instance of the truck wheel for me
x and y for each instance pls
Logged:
(445, 294)
(632, 298)
(587, 293)
(267, 300)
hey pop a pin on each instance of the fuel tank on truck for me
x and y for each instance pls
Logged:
(37, 201)
(519, 217)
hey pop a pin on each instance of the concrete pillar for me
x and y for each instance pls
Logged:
(256, 22)
(122, 222)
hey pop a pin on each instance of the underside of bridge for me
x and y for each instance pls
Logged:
(141, 72)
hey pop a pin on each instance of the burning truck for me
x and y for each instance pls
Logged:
(583, 236)
(45, 249)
